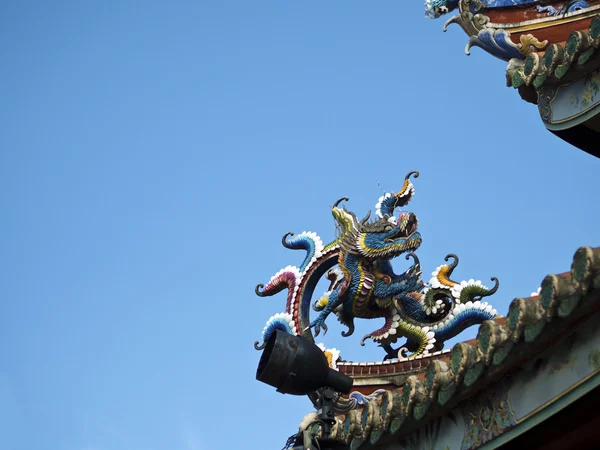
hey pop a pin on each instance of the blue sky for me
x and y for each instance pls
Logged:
(153, 155)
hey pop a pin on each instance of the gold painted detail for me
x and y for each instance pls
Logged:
(529, 43)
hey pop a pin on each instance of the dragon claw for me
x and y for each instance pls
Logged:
(318, 324)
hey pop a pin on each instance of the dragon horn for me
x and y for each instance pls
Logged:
(390, 201)
(364, 220)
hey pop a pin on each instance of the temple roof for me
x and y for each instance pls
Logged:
(393, 398)
(552, 52)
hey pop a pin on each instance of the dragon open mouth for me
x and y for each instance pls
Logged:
(406, 225)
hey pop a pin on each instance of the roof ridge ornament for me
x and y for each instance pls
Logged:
(364, 285)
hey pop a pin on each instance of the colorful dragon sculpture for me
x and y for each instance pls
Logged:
(363, 284)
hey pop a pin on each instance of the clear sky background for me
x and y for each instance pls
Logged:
(154, 153)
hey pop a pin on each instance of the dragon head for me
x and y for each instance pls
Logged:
(385, 238)
(437, 8)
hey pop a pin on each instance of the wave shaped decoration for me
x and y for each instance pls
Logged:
(495, 42)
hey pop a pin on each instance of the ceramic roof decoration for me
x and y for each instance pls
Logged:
(543, 355)
(521, 369)
(363, 284)
(551, 50)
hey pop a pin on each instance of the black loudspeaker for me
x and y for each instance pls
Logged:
(294, 365)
